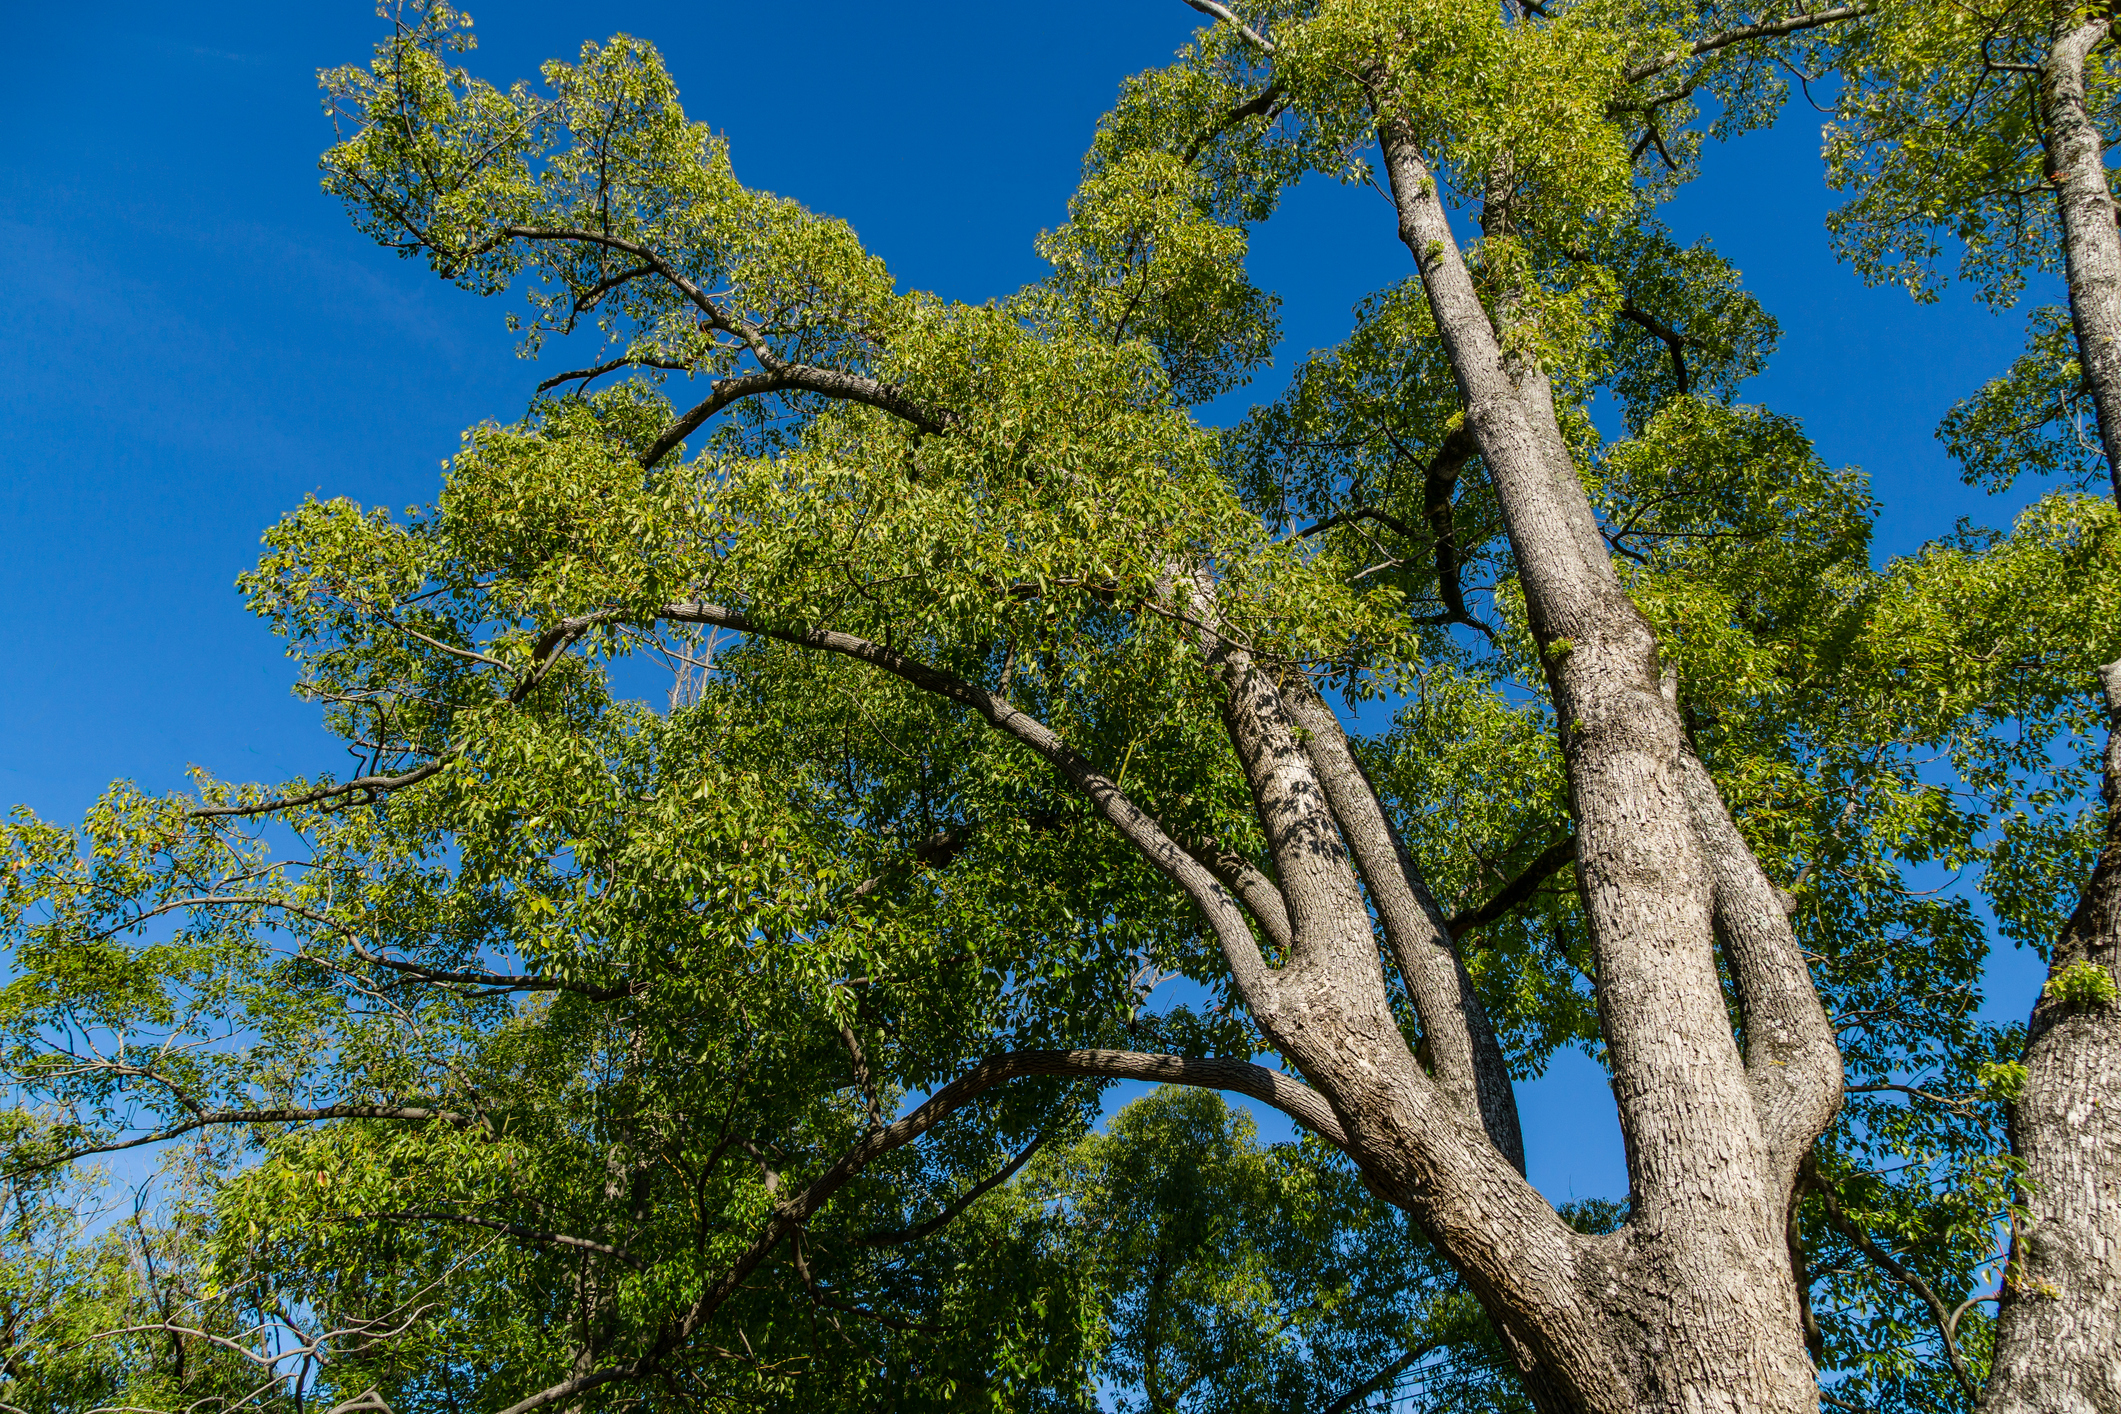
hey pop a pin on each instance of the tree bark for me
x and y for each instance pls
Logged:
(2091, 246)
(1466, 1058)
(2058, 1334)
(2058, 1337)
(1701, 1311)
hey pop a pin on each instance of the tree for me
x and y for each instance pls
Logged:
(573, 1052)
(2035, 82)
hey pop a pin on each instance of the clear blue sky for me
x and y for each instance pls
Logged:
(192, 338)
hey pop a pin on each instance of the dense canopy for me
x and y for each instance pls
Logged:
(837, 732)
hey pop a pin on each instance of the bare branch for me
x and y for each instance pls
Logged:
(324, 793)
(585, 374)
(1390, 522)
(1224, 14)
(1527, 882)
(1770, 29)
(963, 1201)
(499, 981)
(1383, 1377)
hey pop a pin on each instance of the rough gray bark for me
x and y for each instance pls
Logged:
(2058, 1336)
(2091, 246)
(1702, 1312)
(1466, 1058)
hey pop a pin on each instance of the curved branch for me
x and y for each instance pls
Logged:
(1223, 13)
(1383, 1377)
(1260, 107)
(958, 1205)
(1292, 1097)
(1673, 339)
(499, 981)
(1260, 895)
(1771, 29)
(1438, 482)
(585, 374)
(722, 392)
(324, 793)
(1135, 825)
(1390, 522)
(1842, 1223)
(827, 382)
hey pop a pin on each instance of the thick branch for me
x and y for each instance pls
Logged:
(1253, 888)
(1527, 883)
(1224, 14)
(1792, 1060)
(2091, 246)
(1468, 1059)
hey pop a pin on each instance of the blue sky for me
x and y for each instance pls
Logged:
(193, 338)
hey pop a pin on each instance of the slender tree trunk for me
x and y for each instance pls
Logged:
(2058, 1336)
(2091, 246)
(2058, 1340)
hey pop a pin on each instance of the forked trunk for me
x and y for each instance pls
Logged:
(1696, 1307)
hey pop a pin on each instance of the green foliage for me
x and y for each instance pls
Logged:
(491, 1060)
(1240, 1278)
(2081, 984)
(1937, 137)
(2035, 419)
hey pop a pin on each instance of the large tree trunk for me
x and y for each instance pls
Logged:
(1697, 1304)
(2058, 1340)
